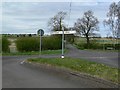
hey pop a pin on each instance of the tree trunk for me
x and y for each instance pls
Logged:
(88, 41)
(60, 25)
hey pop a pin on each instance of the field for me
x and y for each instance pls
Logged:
(98, 43)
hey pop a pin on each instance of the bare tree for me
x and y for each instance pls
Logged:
(118, 14)
(112, 19)
(87, 25)
(56, 23)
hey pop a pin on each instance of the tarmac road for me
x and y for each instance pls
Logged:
(107, 58)
(17, 75)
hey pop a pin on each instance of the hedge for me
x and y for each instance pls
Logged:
(5, 45)
(25, 44)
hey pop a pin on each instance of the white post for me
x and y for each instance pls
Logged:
(62, 43)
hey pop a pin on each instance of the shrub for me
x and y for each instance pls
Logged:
(93, 45)
(27, 44)
(51, 43)
(0, 44)
(117, 46)
(69, 38)
(5, 44)
(33, 43)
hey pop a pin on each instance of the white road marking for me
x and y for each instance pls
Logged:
(22, 62)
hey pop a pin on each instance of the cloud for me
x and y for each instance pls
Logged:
(27, 17)
(60, 0)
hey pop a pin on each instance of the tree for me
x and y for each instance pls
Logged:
(112, 20)
(118, 14)
(56, 23)
(87, 25)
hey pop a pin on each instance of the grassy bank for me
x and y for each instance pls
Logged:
(91, 68)
(36, 52)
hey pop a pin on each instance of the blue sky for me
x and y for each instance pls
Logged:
(28, 17)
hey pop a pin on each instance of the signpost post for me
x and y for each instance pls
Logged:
(62, 43)
(63, 32)
(41, 33)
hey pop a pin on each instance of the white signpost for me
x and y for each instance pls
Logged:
(63, 32)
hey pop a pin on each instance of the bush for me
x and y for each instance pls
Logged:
(69, 38)
(116, 46)
(97, 46)
(27, 44)
(93, 45)
(5, 45)
(33, 43)
(51, 43)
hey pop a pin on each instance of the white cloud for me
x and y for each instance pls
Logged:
(60, 0)
(27, 17)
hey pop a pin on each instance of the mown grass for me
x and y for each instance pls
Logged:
(91, 68)
(36, 52)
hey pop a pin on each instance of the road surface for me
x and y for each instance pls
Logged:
(104, 57)
(17, 75)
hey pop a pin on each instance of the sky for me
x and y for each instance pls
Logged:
(24, 17)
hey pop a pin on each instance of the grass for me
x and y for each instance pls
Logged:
(83, 66)
(102, 50)
(98, 44)
(36, 52)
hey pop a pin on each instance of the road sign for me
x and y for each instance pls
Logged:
(65, 32)
(40, 32)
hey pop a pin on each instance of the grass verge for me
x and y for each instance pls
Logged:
(36, 52)
(83, 66)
